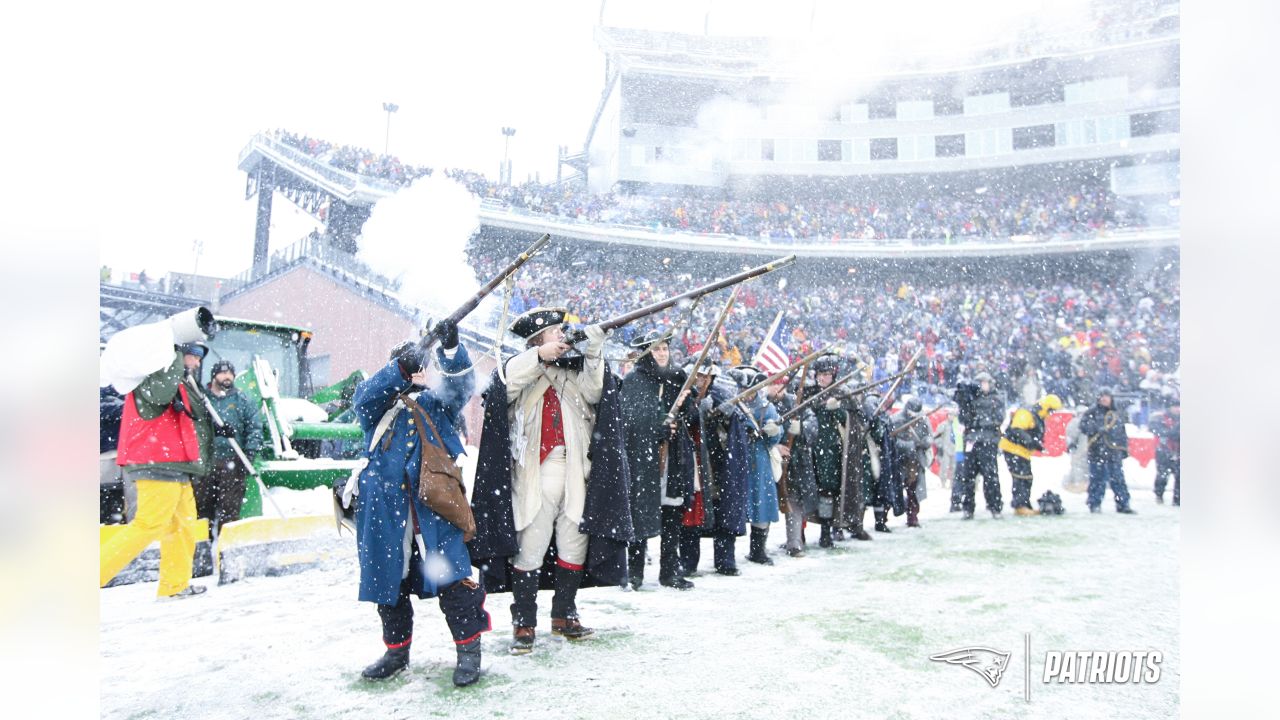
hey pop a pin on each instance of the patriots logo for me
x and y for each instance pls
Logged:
(988, 663)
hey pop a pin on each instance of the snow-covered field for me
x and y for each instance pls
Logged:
(840, 633)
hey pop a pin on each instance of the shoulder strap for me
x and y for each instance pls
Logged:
(383, 424)
(418, 410)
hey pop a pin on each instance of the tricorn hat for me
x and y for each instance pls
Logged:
(536, 320)
(747, 375)
(826, 363)
(653, 337)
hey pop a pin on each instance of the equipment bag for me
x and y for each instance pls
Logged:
(440, 479)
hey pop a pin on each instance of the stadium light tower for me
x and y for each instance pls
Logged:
(390, 108)
(506, 154)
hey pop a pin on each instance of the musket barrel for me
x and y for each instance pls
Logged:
(831, 389)
(467, 307)
(614, 323)
(804, 361)
(702, 356)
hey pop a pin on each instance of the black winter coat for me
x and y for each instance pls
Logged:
(1108, 438)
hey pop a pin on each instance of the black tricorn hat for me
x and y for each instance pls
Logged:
(536, 320)
(653, 337)
(826, 363)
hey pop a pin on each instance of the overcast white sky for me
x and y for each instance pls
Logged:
(149, 108)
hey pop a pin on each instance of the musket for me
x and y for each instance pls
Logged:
(830, 390)
(702, 357)
(579, 335)
(465, 309)
(769, 380)
(914, 420)
(888, 396)
(783, 507)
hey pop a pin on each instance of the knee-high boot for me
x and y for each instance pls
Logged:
(758, 554)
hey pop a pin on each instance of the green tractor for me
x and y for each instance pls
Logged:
(310, 437)
(310, 441)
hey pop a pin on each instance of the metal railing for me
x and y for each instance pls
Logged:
(658, 232)
(317, 247)
(349, 179)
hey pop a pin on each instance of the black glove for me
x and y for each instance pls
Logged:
(224, 430)
(406, 355)
(447, 331)
(179, 406)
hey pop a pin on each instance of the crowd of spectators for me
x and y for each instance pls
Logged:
(1082, 209)
(1070, 338)
(353, 159)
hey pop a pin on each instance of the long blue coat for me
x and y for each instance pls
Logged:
(762, 490)
(391, 478)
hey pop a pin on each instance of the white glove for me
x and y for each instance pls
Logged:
(833, 403)
(793, 427)
(771, 429)
(595, 335)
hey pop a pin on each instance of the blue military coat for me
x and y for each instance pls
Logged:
(391, 479)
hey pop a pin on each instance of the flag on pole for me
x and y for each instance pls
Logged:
(772, 355)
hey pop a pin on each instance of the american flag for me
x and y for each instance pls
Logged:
(772, 355)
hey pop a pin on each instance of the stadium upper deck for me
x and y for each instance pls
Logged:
(730, 112)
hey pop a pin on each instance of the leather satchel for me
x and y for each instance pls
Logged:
(439, 477)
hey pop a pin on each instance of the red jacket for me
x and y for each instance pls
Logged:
(169, 438)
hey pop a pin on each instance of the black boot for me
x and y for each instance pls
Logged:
(564, 606)
(724, 550)
(524, 611)
(669, 573)
(759, 536)
(859, 530)
(635, 564)
(468, 669)
(389, 665)
(524, 593)
(690, 551)
(882, 520)
(824, 539)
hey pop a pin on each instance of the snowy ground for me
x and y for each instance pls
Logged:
(840, 633)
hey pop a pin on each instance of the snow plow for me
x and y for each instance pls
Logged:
(310, 441)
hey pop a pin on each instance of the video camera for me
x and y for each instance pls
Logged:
(192, 325)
